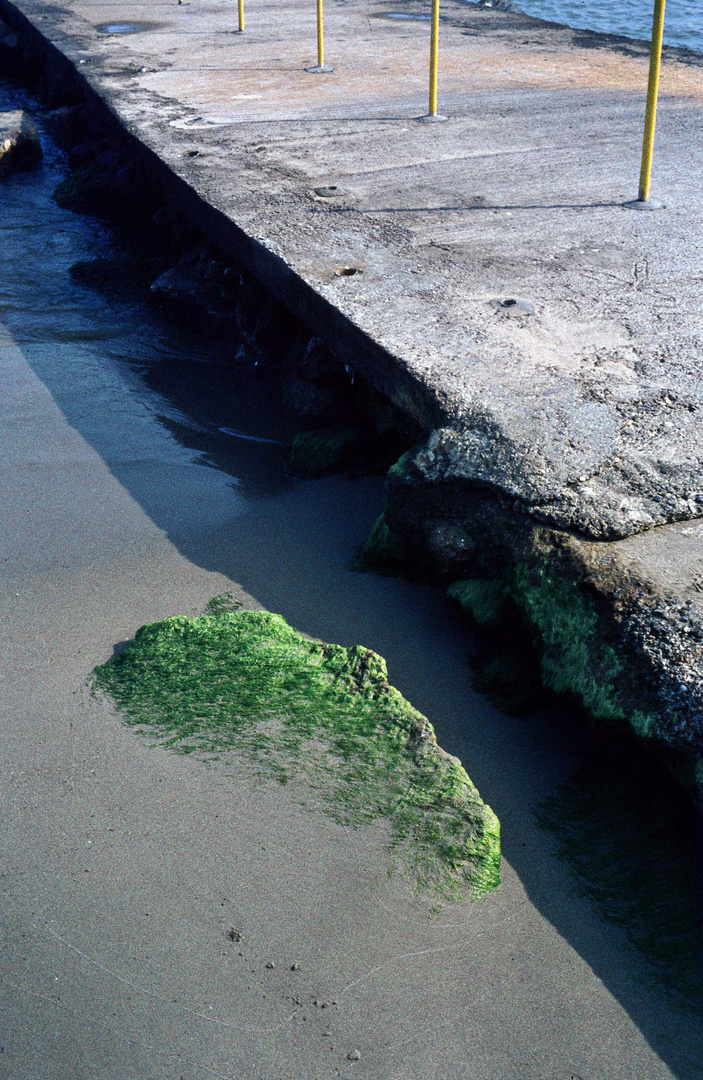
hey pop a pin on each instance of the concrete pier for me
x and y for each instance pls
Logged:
(584, 404)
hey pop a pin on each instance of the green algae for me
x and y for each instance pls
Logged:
(385, 553)
(482, 598)
(324, 451)
(574, 656)
(398, 469)
(504, 661)
(84, 192)
(325, 714)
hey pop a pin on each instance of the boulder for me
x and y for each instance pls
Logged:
(20, 148)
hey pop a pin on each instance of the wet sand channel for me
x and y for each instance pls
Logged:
(124, 864)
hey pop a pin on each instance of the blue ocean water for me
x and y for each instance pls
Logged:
(683, 23)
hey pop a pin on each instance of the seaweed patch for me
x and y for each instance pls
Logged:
(325, 714)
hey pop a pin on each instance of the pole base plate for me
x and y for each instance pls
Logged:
(317, 70)
(431, 118)
(643, 204)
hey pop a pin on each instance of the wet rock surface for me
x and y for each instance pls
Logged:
(247, 679)
(20, 146)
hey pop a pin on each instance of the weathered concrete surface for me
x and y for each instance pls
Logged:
(617, 625)
(587, 411)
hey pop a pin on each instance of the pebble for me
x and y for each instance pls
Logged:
(270, 964)
(295, 967)
(353, 1055)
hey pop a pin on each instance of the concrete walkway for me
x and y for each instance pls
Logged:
(588, 411)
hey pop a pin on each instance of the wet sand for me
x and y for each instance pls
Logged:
(123, 864)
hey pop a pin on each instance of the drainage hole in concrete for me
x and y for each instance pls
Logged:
(192, 153)
(348, 271)
(513, 305)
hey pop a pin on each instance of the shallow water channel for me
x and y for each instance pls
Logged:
(125, 501)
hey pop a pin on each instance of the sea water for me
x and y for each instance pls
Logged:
(683, 21)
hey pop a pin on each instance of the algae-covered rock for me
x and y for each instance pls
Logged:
(318, 453)
(246, 680)
(481, 598)
(581, 611)
(110, 187)
(449, 544)
(504, 660)
(385, 553)
(569, 635)
(84, 191)
(574, 657)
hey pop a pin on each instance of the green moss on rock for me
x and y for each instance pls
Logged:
(84, 192)
(481, 598)
(329, 450)
(398, 470)
(246, 680)
(565, 627)
(385, 553)
(573, 656)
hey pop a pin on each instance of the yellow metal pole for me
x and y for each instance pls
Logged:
(643, 202)
(434, 64)
(434, 54)
(241, 16)
(319, 68)
(320, 37)
(650, 120)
